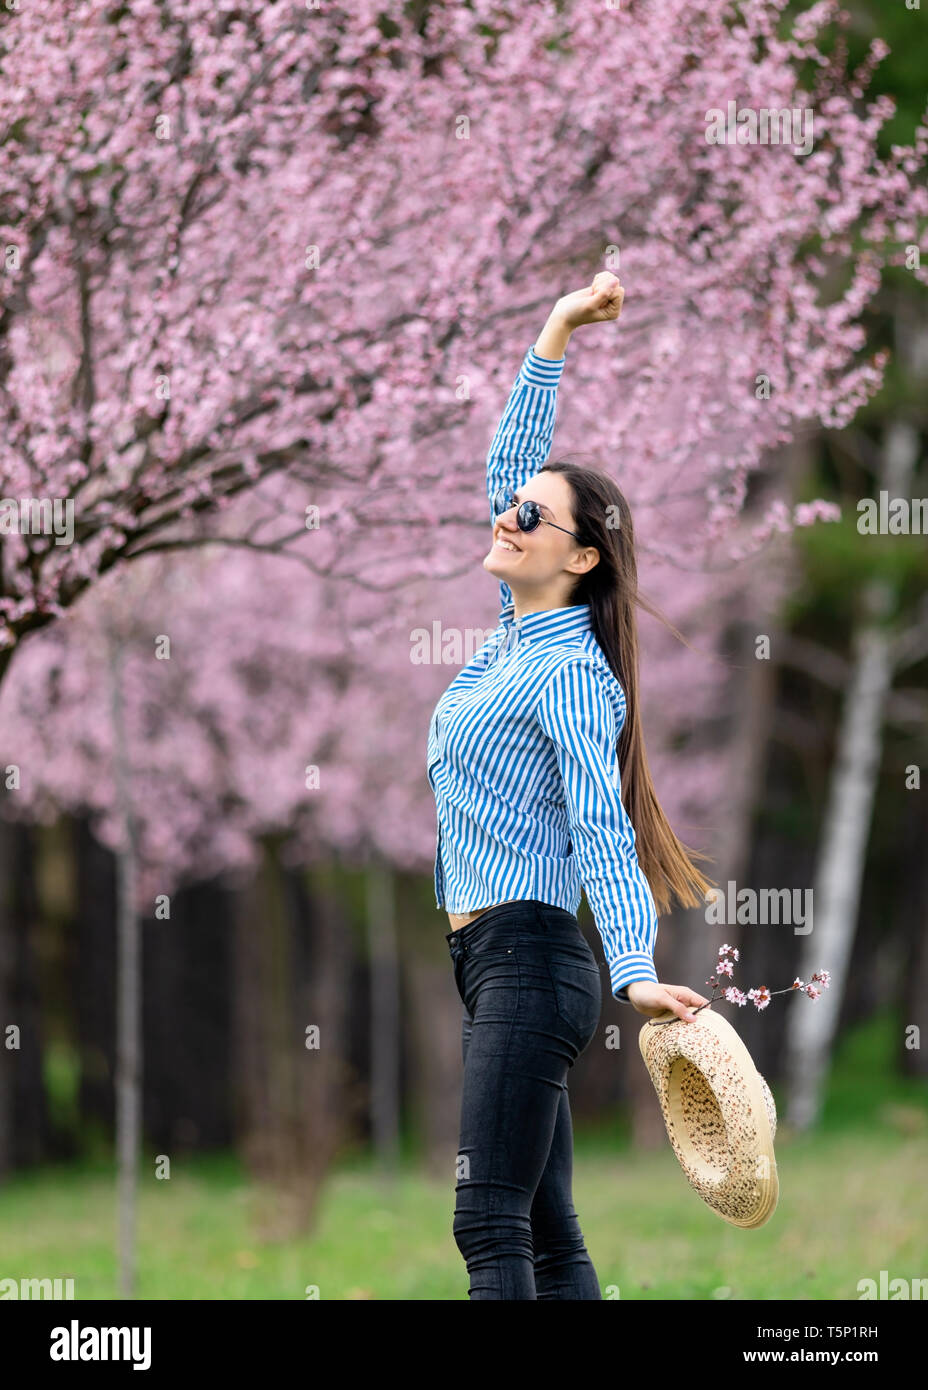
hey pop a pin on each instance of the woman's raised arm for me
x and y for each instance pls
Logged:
(523, 437)
(525, 433)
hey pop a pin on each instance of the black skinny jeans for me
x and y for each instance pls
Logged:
(532, 995)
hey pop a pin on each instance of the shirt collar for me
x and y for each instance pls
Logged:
(550, 622)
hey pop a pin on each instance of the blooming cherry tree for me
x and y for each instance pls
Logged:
(311, 243)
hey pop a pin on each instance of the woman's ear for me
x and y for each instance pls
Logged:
(583, 562)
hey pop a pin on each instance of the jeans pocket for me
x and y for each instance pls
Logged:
(578, 994)
(490, 969)
(495, 941)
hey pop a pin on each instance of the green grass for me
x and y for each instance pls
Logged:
(850, 1205)
(852, 1202)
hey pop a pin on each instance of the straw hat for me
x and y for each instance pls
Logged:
(719, 1113)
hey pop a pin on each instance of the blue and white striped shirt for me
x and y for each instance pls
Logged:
(522, 746)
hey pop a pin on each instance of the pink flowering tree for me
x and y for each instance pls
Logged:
(255, 702)
(312, 242)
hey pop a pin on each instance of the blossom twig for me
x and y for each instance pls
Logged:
(761, 996)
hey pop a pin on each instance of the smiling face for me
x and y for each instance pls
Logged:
(542, 566)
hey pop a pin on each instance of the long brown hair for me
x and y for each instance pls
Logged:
(602, 519)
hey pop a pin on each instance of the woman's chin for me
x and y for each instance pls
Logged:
(495, 566)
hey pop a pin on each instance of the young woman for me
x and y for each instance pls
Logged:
(532, 751)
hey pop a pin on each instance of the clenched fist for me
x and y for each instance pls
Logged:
(600, 302)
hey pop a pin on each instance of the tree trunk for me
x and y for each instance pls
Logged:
(9, 1055)
(129, 994)
(186, 1005)
(329, 1102)
(91, 947)
(385, 1021)
(249, 1037)
(812, 1026)
(912, 1058)
(293, 953)
(31, 1129)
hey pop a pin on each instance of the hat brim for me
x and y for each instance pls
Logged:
(715, 1111)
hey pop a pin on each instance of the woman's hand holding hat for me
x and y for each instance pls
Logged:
(653, 999)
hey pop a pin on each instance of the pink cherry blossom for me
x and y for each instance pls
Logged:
(760, 996)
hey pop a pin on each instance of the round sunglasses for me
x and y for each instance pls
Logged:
(528, 515)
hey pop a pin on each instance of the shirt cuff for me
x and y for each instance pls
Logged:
(628, 970)
(541, 371)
